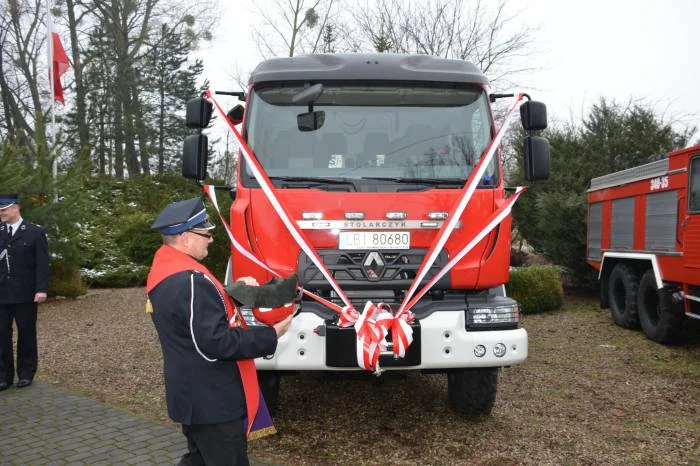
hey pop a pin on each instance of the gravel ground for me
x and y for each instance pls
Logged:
(590, 393)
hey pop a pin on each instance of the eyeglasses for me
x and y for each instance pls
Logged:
(203, 235)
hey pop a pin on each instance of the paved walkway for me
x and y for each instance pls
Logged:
(43, 424)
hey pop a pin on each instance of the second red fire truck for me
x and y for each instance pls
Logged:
(644, 238)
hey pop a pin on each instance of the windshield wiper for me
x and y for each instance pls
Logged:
(315, 180)
(436, 181)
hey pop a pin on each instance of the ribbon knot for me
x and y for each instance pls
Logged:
(401, 333)
(348, 316)
(372, 326)
(371, 331)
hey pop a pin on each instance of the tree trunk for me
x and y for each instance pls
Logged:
(80, 113)
(142, 132)
(118, 141)
(101, 145)
(6, 103)
(161, 127)
(26, 62)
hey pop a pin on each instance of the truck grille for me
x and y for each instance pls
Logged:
(370, 270)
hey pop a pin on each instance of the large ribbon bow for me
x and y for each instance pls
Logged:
(372, 326)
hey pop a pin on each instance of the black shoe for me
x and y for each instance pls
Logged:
(4, 386)
(23, 383)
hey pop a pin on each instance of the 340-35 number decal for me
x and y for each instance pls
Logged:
(660, 182)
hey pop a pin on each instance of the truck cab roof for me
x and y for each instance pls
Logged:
(367, 67)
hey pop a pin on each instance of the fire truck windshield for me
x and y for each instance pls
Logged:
(385, 132)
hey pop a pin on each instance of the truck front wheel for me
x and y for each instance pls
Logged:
(624, 283)
(472, 392)
(660, 317)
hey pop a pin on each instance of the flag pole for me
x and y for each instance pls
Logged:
(52, 97)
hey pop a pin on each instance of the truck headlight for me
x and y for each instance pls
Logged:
(501, 317)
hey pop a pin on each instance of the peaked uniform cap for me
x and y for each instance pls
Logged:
(182, 216)
(6, 200)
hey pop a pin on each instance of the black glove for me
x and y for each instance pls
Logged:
(275, 293)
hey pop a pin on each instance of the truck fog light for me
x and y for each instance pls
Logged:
(479, 351)
(499, 350)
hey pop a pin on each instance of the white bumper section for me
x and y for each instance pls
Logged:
(445, 344)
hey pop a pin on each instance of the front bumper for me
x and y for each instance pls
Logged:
(444, 344)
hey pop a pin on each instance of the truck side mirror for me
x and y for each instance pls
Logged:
(198, 113)
(235, 115)
(311, 121)
(195, 153)
(533, 115)
(536, 158)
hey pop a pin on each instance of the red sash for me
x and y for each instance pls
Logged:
(169, 261)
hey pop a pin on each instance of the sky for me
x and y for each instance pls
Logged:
(620, 49)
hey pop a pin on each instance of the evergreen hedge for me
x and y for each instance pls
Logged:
(65, 281)
(537, 288)
(98, 227)
(57, 204)
(118, 242)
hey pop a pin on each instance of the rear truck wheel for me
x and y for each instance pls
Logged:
(269, 382)
(472, 392)
(661, 318)
(623, 285)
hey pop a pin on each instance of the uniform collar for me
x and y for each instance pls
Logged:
(15, 226)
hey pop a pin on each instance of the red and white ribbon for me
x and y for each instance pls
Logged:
(456, 213)
(266, 185)
(210, 191)
(495, 219)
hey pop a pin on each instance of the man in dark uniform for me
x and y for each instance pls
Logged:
(210, 379)
(24, 282)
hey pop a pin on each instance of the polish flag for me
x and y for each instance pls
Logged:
(60, 66)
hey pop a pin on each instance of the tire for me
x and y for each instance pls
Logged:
(622, 291)
(660, 317)
(472, 392)
(269, 382)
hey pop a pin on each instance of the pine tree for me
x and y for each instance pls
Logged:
(99, 61)
(172, 82)
(551, 216)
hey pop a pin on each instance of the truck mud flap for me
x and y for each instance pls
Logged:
(341, 346)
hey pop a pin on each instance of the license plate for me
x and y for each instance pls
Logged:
(374, 240)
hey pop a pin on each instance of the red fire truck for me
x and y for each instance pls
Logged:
(644, 238)
(369, 153)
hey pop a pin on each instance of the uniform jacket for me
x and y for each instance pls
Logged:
(202, 383)
(24, 263)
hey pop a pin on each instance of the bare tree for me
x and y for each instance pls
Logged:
(134, 29)
(23, 45)
(7, 126)
(292, 26)
(74, 20)
(482, 33)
